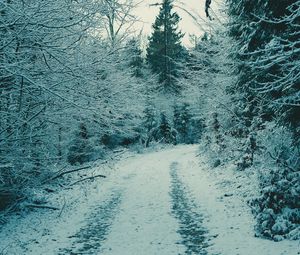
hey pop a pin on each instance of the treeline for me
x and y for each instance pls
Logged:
(246, 77)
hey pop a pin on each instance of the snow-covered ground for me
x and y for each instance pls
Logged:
(165, 203)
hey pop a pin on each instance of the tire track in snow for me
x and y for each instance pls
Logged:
(194, 235)
(89, 239)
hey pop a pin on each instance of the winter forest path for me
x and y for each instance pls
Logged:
(155, 213)
(159, 203)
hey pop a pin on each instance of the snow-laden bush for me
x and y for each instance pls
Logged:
(223, 143)
(277, 209)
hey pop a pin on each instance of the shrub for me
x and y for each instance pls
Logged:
(277, 208)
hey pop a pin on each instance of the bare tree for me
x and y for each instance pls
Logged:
(55, 73)
(119, 19)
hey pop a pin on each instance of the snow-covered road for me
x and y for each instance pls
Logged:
(151, 216)
(159, 203)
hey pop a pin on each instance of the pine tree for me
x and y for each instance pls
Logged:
(165, 130)
(149, 125)
(182, 122)
(165, 51)
(267, 34)
(135, 57)
(260, 43)
(149, 118)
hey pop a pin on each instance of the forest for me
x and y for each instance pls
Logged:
(78, 82)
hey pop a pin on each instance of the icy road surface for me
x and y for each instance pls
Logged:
(159, 203)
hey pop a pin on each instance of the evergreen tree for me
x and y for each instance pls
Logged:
(165, 130)
(182, 122)
(188, 127)
(135, 57)
(165, 51)
(149, 118)
(267, 34)
(149, 125)
(267, 57)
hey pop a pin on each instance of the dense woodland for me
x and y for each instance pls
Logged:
(75, 84)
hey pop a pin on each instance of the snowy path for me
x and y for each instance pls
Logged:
(152, 217)
(145, 224)
(160, 203)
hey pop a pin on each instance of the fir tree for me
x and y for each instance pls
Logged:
(165, 130)
(182, 122)
(149, 118)
(149, 125)
(260, 42)
(135, 57)
(165, 51)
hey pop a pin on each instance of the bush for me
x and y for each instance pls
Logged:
(277, 208)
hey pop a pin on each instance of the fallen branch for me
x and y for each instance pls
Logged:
(61, 169)
(119, 151)
(66, 172)
(88, 178)
(42, 206)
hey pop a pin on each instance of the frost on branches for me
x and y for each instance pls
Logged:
(60, 77)
(277, 209)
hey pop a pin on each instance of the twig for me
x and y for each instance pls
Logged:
(88, 178)
(63, 207)
(61, 169)
(42, 206)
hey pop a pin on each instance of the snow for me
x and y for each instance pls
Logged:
(223, 193)
(145, 225)
(139, 219)
(43, 231)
